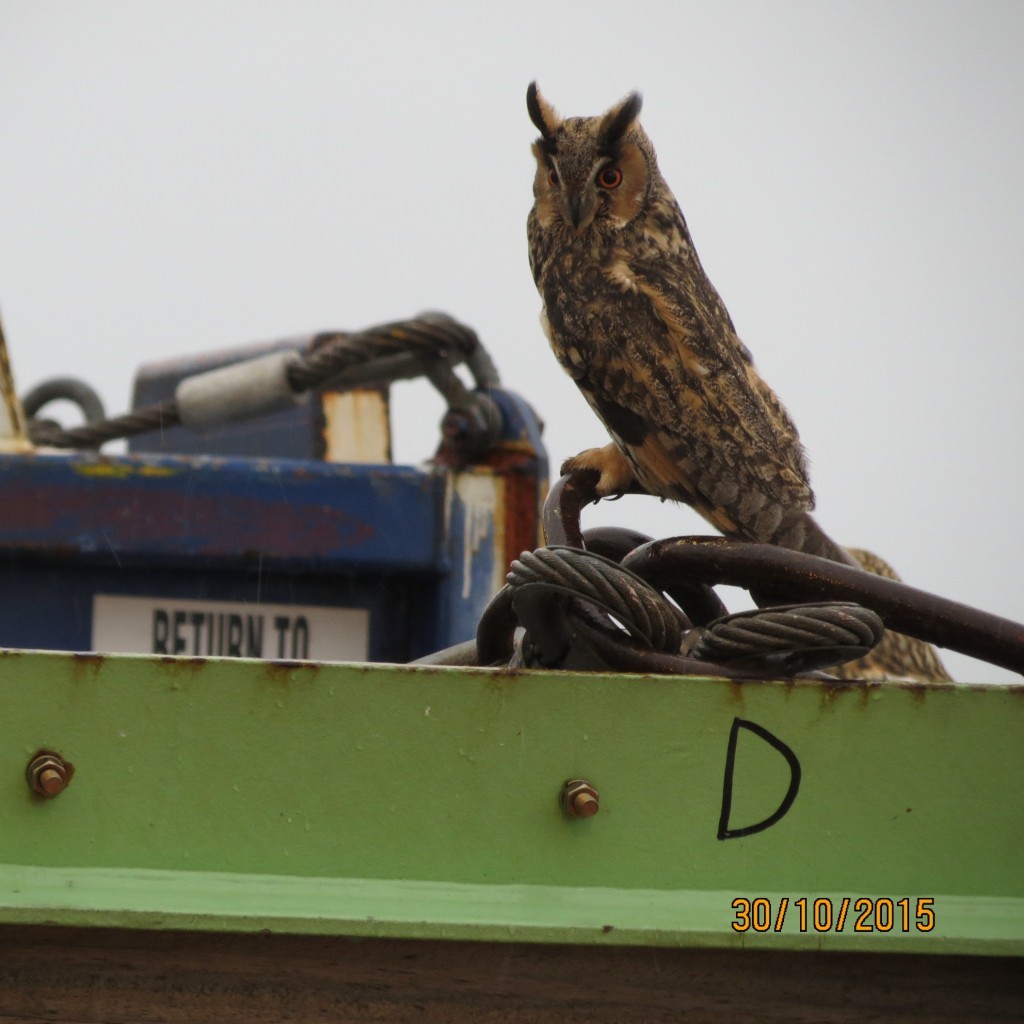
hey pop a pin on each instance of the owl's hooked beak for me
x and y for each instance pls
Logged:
(578, 211)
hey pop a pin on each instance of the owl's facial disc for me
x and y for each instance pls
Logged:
(606, 193)
(581, 187)
(580, 195)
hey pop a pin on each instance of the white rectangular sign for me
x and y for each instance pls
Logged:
(232, 629)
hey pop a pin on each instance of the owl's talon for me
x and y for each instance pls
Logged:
(615, 474)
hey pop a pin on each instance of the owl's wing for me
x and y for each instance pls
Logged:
(676, 388)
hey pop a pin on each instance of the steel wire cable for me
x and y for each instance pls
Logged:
(843, 627)
(434, 340)
(632, 602)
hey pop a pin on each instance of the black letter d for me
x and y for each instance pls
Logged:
(724, 832)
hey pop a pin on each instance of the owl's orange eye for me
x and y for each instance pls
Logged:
(609, 177)
(552, 177)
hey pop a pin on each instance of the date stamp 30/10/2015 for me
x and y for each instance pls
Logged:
(829, 914)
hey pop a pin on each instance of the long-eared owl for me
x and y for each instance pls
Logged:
(634, 320)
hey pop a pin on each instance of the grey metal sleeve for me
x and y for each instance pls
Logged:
(254, 387)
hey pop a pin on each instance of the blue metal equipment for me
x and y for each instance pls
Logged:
(220, 550)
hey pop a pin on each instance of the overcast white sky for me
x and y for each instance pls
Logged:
(181, 176)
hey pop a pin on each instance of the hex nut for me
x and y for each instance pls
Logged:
(48, 774)
(579, 799)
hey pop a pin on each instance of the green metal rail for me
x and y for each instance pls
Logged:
(409, 802)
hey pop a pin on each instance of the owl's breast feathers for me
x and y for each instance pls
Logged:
(648, 341)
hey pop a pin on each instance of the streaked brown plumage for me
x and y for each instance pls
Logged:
(897, 656)
(634, 320)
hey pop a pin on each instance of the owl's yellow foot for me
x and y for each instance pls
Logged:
(615, 474)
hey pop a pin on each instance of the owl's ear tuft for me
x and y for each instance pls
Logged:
(543, 115)
(616, 122)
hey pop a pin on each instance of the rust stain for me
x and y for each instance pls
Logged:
(919, 691)
(841, 685)
(512, 456)
(176, 664)
(86, 665)
(281, 672)
(495, 675)
(736, 689)
(506, 456)
(132, 518)
(831, 690)
(499, 680)
(362, 667)
(522, 515)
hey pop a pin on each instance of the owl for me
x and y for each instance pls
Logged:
(634, 320)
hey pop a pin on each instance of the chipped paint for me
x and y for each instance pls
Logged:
(268, 530)
(481, 494)
(122, 470)
(230, 508)
(357, 427)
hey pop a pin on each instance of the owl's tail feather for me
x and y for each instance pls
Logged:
(800, 532)
(764, 523)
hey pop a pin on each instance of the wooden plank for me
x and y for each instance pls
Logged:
(117, 976)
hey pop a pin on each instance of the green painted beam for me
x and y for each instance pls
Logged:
(385, 800)
(205, 901)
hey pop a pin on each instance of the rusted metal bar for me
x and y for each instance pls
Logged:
(565, 501)
(614, 542)
(800, 577)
